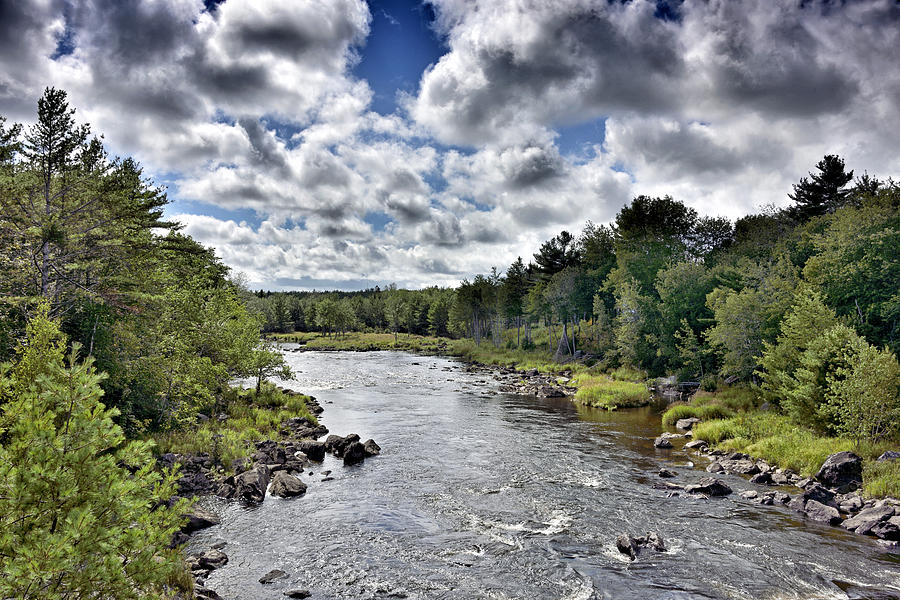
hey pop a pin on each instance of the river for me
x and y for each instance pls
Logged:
(479, 494)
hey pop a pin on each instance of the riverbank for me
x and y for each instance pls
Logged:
(734, 421)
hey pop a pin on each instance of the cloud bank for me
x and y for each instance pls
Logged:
(253, 114)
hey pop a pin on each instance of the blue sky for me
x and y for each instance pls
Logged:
(345, 143)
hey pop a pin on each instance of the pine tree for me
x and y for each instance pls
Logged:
(82, 513)
(823, 192)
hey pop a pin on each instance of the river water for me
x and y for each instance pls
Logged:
(479, 494)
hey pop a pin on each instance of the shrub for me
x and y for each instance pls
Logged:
(602, 392)
(704, 412)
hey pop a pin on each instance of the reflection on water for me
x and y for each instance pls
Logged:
(500, 496)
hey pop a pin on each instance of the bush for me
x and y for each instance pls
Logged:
(709, 383)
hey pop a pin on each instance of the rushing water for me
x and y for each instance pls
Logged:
(479, 494)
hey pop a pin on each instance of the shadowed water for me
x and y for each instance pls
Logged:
(486, 495)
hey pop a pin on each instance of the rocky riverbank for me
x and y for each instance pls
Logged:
(273, 469)
(831, 497)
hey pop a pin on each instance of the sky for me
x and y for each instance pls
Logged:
(343, 144)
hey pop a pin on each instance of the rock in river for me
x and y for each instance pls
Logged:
(272, 576)
(354, 453)
(371, 448)
(709, 486)
(199, 518)
(822, 513)
(285, 485)
(251, 485)
(868, 518)
(313, 450)
(662, 442)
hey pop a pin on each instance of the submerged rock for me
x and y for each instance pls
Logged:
(272, 576)
(631, 546)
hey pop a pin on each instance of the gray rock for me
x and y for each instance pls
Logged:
(298, 594)
(742, 466)
(272, 576)
(667, 473)
(749, 494)
(780, 478)
(715, 467)
(781, 498)
(627, 546)
(868, 517)
(851, 504)
(354, 453)
(212, 559)
(696, 444)
(841, 470)
(251, 485)
(285, 485)
(686, 424)
(313, 450)
(821, 513)
(886, 531)
(662, 442)
(371, 448)
(889, 455)
(199, 518)
(709, 486)
(763, 478)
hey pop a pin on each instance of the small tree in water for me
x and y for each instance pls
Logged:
(82, 513)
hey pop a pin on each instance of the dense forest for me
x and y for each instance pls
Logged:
(803, 300)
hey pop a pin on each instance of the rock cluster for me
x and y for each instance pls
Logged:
(530, 382)
(831, 497)
(350, 448)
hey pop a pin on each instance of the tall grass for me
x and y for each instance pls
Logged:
(704, 412)
(251, 418)
(602, 392)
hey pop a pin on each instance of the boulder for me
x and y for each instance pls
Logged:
(813, 492)
(850, 504)
(667, 473)
(886, 530)
(709, 486)
(251, 485)
(313, 450)
(199, 518)
(780, 478)
(337, 445)
(371, 448)
(269, 453)
(272, 576)
(715, 467)
(742, 466)
(626, 545)
(686, 424)
(212, 559)
(195, 484)
(662, 442)
(763, 478)
(822, 513)
(285, 485)
(696, 444)
(889, 455)
(749, 494)
(868, 518)
(354, 453)
(841, 470)
(204, 593)
(301, 594)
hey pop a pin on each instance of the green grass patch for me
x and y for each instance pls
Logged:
(704, 412)
(251, 418)
(362, 342)
(602, 392)
(779, 441)
(882, 478)
(628, 374)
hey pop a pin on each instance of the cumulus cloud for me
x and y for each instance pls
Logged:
(254, 105)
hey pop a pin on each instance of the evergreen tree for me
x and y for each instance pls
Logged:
(82, 513)
(822, 192)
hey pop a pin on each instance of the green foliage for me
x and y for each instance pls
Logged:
(603, 392)
(803, 324)
(79, 506)
(881, 478)
(252, 416)
(824, 191)
(704, 412)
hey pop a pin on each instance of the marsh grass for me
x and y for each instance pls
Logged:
(603, 392)
(251, 418)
